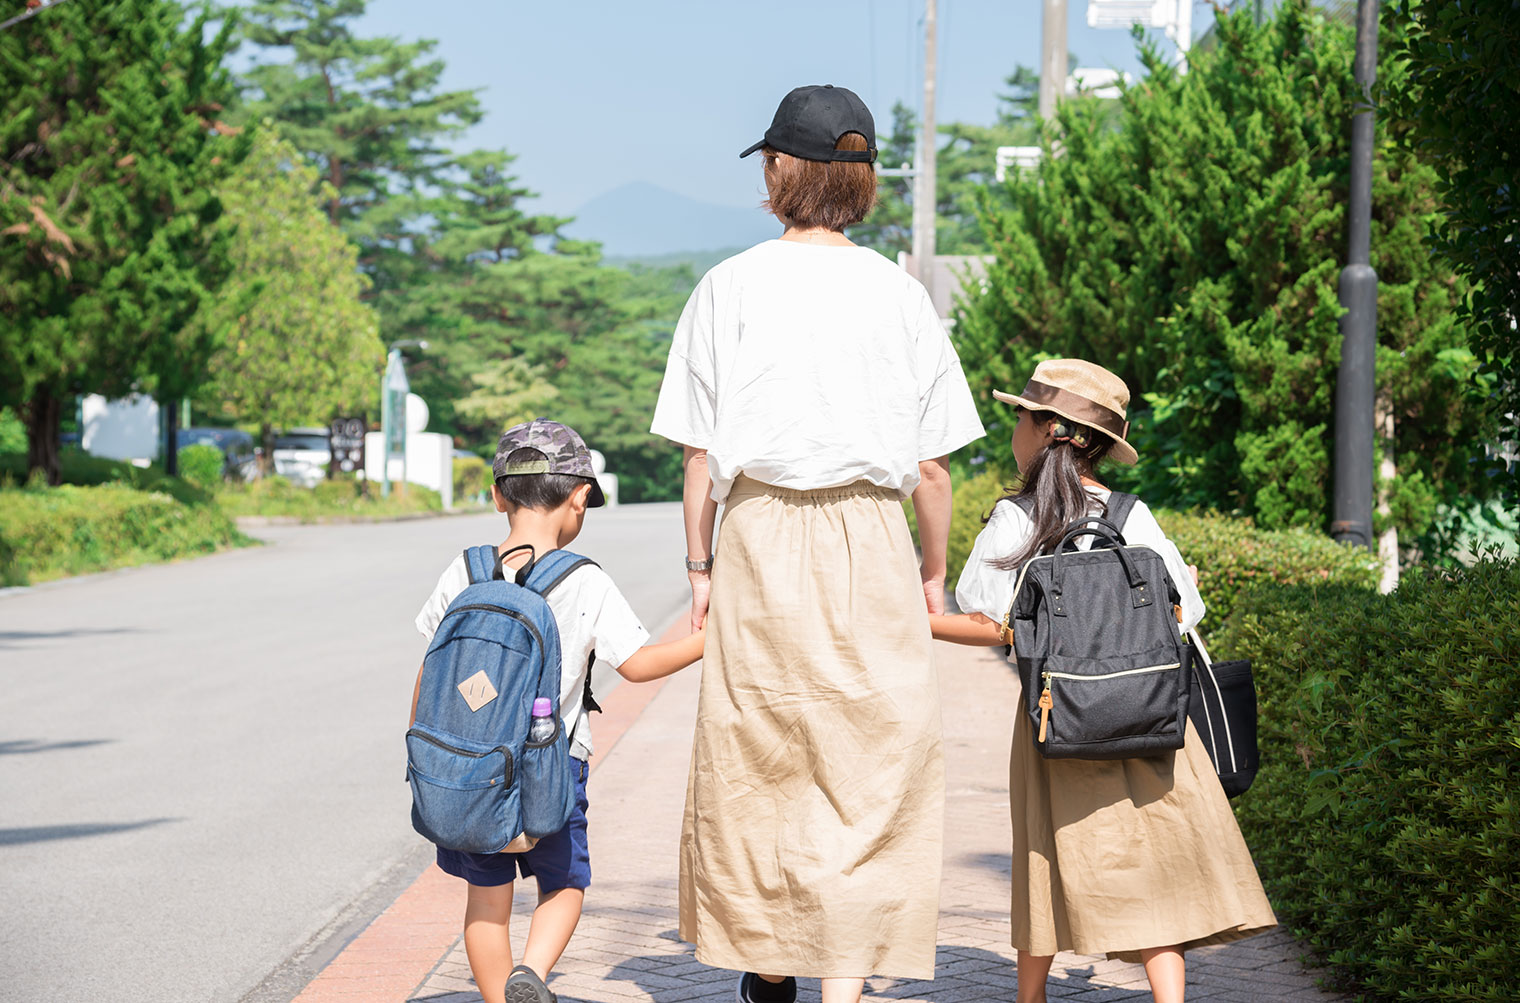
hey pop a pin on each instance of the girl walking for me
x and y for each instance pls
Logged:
(1139, 859)
(813, 388)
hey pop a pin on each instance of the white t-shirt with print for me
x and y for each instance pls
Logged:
(592, 615)
(988, 590)
(811, 366)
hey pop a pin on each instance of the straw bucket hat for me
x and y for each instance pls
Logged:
(1081, 392)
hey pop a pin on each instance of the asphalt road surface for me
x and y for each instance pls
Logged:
(201, 764)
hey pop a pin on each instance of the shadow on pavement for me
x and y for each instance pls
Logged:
(21, 745)
(46, 833)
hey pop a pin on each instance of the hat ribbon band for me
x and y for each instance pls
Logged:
(1079, 407)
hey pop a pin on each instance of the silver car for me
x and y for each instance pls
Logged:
(302, 456)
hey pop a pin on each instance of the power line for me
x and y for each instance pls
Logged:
(30, 12)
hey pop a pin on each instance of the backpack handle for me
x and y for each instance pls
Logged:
(1106, 530)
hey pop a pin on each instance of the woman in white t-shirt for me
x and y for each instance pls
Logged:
(813, 389)
(1140, 858)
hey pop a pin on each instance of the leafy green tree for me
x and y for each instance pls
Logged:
(1195, 250)
(111, 153)
(300, 345)
(1460, 92)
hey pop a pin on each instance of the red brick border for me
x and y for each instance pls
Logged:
(395, 953)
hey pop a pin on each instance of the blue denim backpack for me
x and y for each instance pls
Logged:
(477, 783)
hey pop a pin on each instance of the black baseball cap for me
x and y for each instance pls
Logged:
(811, 119)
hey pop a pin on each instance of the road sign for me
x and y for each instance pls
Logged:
(345, 439)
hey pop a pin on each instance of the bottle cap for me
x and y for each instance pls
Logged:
(542, 707)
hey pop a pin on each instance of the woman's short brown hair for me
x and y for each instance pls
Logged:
(812, 193)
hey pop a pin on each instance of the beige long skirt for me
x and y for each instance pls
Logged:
(815, 806)
(1117, 856)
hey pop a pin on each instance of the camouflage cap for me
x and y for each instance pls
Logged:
(560, 451)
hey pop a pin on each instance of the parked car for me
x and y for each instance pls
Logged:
(240, 455)
(302, 456)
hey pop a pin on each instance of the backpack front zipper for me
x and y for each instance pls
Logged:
(514, 614)
(1047, 701)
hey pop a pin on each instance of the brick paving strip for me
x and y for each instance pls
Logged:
(626, 948)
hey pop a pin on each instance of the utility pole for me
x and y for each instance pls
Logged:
(1355, 384)
(925, 197)
(1052, 56)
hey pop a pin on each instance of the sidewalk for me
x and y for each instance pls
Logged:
(626, 948)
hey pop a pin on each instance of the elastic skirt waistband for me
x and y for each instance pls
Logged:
(749, 487)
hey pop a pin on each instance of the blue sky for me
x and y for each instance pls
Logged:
(593, 94)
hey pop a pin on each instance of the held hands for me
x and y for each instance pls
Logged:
(701, 589)
(934, 594)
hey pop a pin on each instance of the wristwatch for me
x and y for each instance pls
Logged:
(699, 565)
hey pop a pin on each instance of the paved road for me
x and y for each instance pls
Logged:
(201, 763)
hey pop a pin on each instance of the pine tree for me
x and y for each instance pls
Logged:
(110, 157)
(1196, 250)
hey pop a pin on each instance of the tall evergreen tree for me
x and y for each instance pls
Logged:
(110, 157)
(1196, 251)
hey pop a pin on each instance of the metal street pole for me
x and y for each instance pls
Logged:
(394, 386)
(1052, 56)
(1355, 384)
(924, 193)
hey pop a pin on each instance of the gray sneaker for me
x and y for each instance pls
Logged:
(524, 986)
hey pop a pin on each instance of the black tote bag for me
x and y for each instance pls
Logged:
(1222, 707)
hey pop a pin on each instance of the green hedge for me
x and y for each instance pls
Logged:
(335, 498)
(1386, 817)
(1233, 556)
(472, 479)
(69, 530)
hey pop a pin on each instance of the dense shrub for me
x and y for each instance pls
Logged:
(202, 465)
(1233, 556)
(1386, 817)
(68, 530)
(472, 478)
(333, 498)
(80, 468)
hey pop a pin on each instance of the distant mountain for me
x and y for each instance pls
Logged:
(641, 220)
(698, 261)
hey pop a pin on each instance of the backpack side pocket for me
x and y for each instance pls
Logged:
(547, 784)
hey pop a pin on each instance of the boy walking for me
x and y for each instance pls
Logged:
(544, 483)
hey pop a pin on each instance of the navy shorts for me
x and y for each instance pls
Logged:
(562, 860)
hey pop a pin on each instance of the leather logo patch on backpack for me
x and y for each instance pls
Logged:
(477, 690)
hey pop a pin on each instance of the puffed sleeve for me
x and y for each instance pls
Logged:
(947, 414)
(687, 407)
(983, 588)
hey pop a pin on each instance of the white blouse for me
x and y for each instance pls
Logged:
(987, 590)
(810, 366)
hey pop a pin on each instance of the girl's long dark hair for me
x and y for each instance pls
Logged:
(1054, 482)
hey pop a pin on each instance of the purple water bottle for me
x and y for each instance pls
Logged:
(542, 727)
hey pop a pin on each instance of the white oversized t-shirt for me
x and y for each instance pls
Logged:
(810, 366)
(591, 614)
(987, 590)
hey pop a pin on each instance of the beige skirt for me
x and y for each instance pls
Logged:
(1118, 856)
(814, 810)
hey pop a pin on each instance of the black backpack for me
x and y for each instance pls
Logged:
(1104, 667)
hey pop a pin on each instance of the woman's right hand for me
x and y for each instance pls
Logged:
(701, 589)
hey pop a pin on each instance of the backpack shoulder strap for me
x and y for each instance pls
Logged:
(483, 563)
(1119, 505)
(553, 568)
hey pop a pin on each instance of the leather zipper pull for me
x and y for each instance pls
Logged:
(1046, 702)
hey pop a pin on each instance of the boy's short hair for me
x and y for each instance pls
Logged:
(537, 491)
(810, 193)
